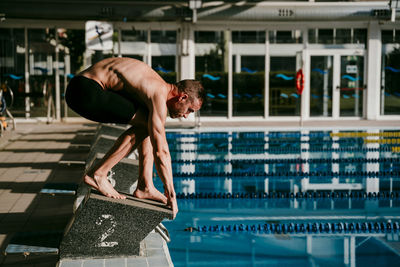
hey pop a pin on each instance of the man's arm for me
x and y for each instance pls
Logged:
(162, 157)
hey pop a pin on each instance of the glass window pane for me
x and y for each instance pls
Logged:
(41, 58)
(390, 93)
(343, 36)
(351, 85)
(70, 62)
(163, 36)
(325, 36)
(312, 36)
(321, 86)
(133, 44)
(397, 36)
(387, 36)
(133, 36)
(248, 37)
(208, 37)
(283, 98)
(12, 61)
(163, 58)
(338, 36)
(283, 37)
(212, 71)
(165, 67)
(360, 36)
(248, 86)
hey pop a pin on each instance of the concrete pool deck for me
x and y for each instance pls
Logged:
(38, 154)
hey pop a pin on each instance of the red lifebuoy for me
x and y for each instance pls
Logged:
(299, 81)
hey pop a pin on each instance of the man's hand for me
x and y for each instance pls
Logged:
(171, 202)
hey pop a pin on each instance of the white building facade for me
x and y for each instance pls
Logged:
(258, 60)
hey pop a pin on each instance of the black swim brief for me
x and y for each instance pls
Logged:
(87, 98)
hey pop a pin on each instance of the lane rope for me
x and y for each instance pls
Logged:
(306, 228)
(383, 195)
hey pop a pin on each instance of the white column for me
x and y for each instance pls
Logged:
(230, 74)
(67, 64)
(148, 45)
(336, 87)
(238, 63)
(49, 65)
(326, 89)
(187, 53)
(57, 79)
(305, 65)
(27, 88)
(266, 78)
(373, 70)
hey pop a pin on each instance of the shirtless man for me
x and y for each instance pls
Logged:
(125, 90)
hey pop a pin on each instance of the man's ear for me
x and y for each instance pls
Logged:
(183, 96)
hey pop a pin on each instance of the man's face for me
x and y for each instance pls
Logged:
(181, 106)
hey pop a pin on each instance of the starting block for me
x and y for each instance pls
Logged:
(101, 144)
(123, 176)
(111, 130)
(105, 227)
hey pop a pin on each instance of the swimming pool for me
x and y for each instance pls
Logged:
(303, 198)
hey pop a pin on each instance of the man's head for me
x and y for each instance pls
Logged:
(189, 98)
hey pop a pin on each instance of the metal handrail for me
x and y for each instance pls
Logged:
(162, 230)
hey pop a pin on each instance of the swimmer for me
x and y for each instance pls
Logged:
(128, 91)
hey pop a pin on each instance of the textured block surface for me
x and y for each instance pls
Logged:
(111, 130)
(102, 144)
(105, 227)
(123, 175)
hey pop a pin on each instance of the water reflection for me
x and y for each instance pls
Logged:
(286, 178)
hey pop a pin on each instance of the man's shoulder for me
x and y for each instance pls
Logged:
(158, 90)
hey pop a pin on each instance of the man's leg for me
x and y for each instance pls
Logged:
(96, 177)
(145, 187)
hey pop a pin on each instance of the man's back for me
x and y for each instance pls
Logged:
(128, 74)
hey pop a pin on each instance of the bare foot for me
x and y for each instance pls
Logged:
(101, 184)
(152, 194)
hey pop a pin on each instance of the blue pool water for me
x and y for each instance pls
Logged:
(310, 198)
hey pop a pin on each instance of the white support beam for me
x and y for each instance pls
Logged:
(27, 88)
(228, 39)
(305, 66)
(336, 87)
(373, 70)
(57, 79)
(187, 53)
(266, 78)
(148, 46)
